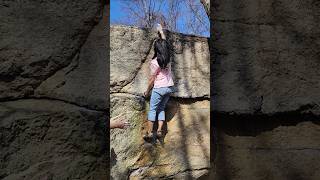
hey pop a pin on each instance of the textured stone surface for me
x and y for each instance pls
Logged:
(125, 144)
(47, 139)
(275, 148)
(53, 90)
(129, 47)
(131, 52)
(185, 150)
(84, 81)
(184, 153)
(39, 39)
(267, 56)
(266, 89)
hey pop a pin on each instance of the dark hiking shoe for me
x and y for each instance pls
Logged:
(148, 137)
(159, 134)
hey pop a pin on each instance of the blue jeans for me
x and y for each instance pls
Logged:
(158, 101)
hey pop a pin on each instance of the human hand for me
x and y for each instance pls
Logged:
(146, 93)
(159, 27)
(121, 124)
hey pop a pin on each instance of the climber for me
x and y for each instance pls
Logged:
(161, 83)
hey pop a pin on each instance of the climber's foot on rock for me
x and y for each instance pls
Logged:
(148, 137)
(159, 134)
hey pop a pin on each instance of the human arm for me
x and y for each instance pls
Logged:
(150, 85)
(154, 70)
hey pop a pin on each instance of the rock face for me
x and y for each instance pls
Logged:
(48, 139)
(53, 90)
(185, 151)
(266, 89)
(267, 56)
(132, 49)
(272, 148)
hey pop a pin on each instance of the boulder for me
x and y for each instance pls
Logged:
(41, 38)
(53, 90)
(84, 81)
(265, 89)
(271, 148)
(266, 56)
(132, 51)
(50, 139)
(185, 150)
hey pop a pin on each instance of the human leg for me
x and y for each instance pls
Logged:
(152, 114)
(161, 115)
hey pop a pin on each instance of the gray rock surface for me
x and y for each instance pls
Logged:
(129, 47)
(267, 56)
(266, 89)
(53, 90)
(48, 139)
(126, 144)
(278, 148)
(84, 81)
(26, 56)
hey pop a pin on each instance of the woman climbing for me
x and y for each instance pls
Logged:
(161, 83)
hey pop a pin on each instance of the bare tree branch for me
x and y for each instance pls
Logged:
(187, 16)
(196, 13)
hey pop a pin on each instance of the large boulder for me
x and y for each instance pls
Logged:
(266, 89)
(48, 139)
(40, 38)
(84, 81)
(132, 51)
(281, 147)
(53, 90)
(266, 56)
(185, 151)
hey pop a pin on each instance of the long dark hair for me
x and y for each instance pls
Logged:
(162, 52)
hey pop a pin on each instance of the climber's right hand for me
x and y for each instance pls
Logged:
(146, 94)
(159, 27)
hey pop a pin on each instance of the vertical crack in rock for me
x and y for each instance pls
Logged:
(130, 47)
(139, 68)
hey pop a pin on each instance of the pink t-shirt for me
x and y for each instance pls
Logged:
(163, 76)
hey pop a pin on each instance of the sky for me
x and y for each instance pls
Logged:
(116, 14)
(115, 11)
